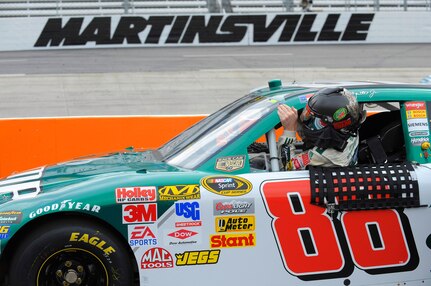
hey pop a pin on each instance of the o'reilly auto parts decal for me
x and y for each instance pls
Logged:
(205, 29)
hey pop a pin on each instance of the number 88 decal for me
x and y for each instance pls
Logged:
(314, 245)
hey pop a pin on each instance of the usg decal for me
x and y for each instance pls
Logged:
(199, 257)
(227, 185)
(156, 257)
(205, 29)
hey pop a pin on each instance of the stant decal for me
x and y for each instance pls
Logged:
(155, 258)
(93, 240)
(4, 231)
(230, 164)
(142, 235)
(139, 213)
(232, 240)
(199, 257)
(190, 29)
(234, 206)
(10, 217)
(179, 192)
(230, 186)
(235, 223)
(135, 195)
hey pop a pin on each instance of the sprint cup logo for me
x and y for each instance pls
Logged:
(156, 257)
(135, 194)
(235, 223)
(179, 192)
(199, 257)
(230, 186)
(233, 240)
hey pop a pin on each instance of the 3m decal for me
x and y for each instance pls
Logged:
(199, 257)
(227, 185)
(235, 206)
(139, 213)
(230, 164)
(235, 223)
(185, 29)
(4, 231)
(142, 235)
(93, 240)
(232, 240)
(10, 217)
(157, 257)
(314, 245)
(179, 192)
(65, 205)
(135, 195)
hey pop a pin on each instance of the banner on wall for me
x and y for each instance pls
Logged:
(41, 33)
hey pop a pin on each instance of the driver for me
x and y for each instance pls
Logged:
(328, 126)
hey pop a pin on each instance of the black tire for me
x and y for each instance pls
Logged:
(71, 250)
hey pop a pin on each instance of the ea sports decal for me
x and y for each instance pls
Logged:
(230, 186)
(142, 235)
(156, 257)
(230, 164)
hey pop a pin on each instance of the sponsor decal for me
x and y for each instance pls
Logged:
(4, 231)
(234, 206)
(340, 113)
(230, 164)
(10, 217)
(416, 105)
(227, 185)
(419, 133)
(235, 223)
(92, 240)
(142, 235)
(188, 223)
(179, 192)
(135, 195)
(232, 240)
(199, 257)
(65, 205)
(188, 210)
(189, 29)
(155, 258)
(417, 141)
(139, 213)
(182, 234)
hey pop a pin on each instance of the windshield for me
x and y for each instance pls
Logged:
(207, 137)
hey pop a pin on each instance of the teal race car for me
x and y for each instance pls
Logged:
(213, 207)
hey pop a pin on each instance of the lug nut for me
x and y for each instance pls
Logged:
(80, 268)
(59, 273)
(68, 263)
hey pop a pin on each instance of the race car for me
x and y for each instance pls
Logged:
(213, 207)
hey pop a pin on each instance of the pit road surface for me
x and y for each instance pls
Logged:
(186, 80)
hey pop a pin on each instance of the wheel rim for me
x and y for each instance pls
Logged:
(72, 267)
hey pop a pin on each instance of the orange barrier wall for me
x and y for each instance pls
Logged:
(30, 143)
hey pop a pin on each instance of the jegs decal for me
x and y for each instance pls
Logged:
(314, 245)
(199, 257)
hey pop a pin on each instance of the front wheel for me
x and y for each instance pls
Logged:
(70, 252)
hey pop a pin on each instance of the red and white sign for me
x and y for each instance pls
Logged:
(139, 213)
(157, 257)
(135, 195)
(182, 234)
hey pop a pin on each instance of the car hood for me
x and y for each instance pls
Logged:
(49, 178)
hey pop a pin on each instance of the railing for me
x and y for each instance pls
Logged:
(34, 8)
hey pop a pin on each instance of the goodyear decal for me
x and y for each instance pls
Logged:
(235, 223)
(199, 257)
(10, 217)
(230, 164)
(230, 186)
(232, 240)
(179, 192)
(93, 240)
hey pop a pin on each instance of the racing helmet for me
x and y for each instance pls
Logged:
(330, 117)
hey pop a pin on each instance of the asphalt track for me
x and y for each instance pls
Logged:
(186, 80)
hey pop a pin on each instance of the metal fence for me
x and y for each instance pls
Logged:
(34, 8)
